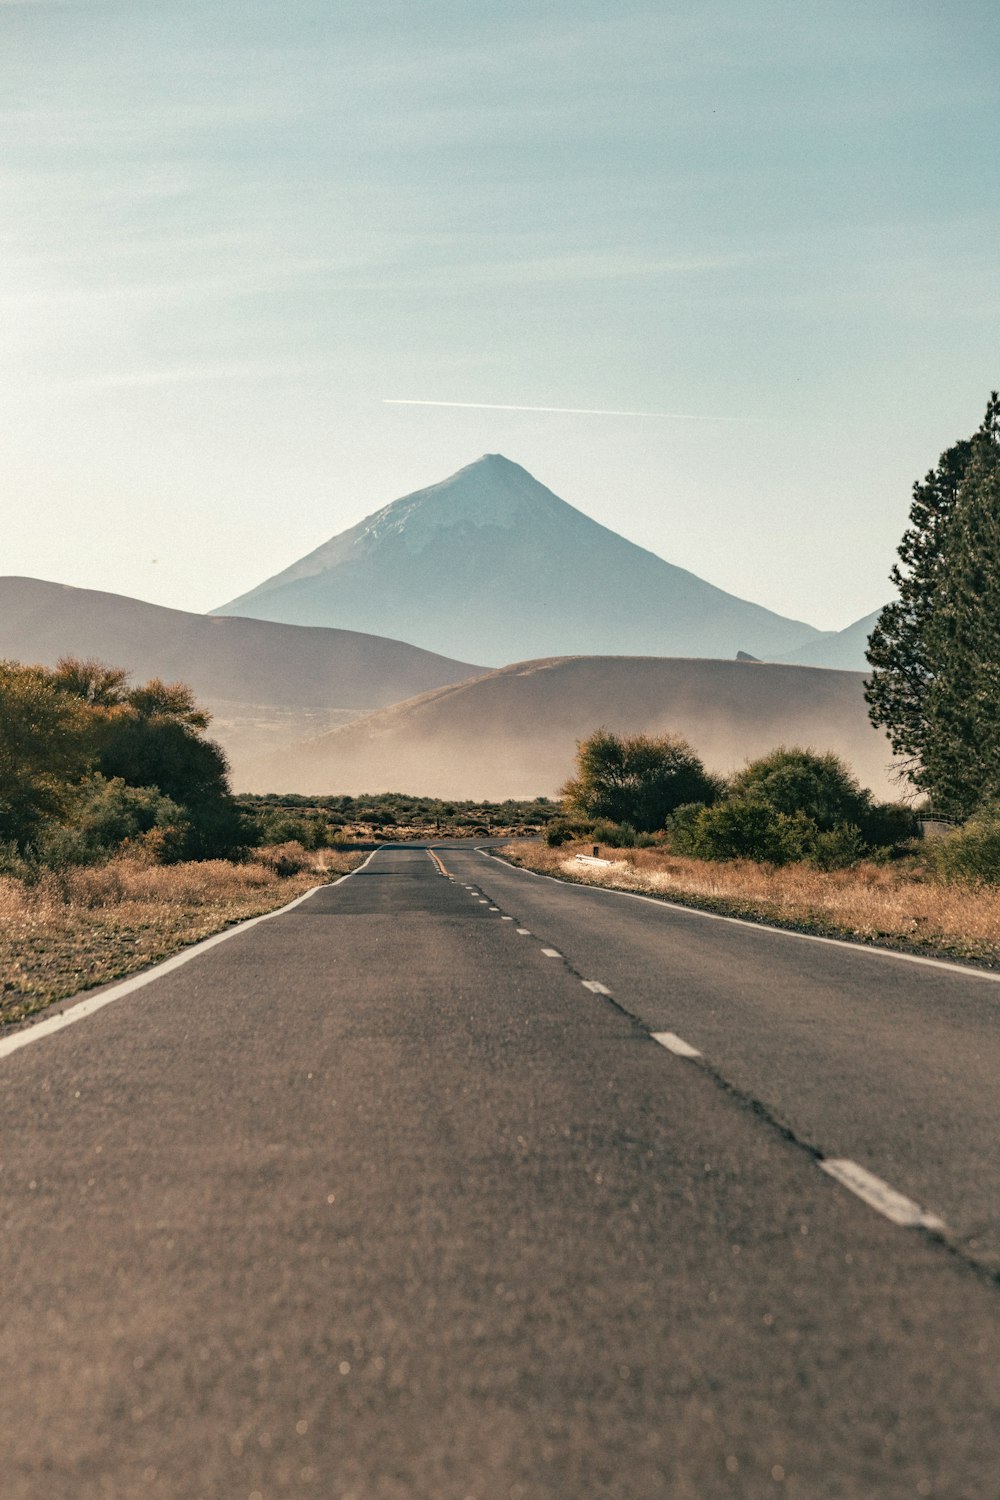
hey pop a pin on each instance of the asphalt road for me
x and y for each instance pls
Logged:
(378, 1200)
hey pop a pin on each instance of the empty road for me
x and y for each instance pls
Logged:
(455, 1183)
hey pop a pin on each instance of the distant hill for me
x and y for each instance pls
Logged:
(841, 648)
(491, 564)
(513, 733)
(265, 684)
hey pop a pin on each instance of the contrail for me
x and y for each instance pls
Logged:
(570, 411)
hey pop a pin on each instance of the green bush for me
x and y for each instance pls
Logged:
(793, 780)
(750, 828)
(107, 816)
(838, 848)
(820, 788)
(637, 779)
(312, 831)
(613, 835)
(970, 855)
(682, 828)
(563, 830)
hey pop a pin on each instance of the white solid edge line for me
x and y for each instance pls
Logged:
(595, 986)
(862, 949)
(85, 1008)
(675, 1044)
(880, 1196)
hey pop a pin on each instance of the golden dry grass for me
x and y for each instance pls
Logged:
(895, 906)
(82, 927)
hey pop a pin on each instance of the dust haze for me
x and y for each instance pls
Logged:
(512, 733)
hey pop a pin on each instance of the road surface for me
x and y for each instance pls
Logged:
(397, 1196)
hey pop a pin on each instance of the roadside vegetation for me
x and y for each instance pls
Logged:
(793, 805)
(67, 930)
(935, 650)
(120, 840)
(790, 839)
(904, 904)
(320, 822)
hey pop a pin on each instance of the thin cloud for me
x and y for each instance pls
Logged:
(571, 411)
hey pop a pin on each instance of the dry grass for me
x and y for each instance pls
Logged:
(895, 906)
(82, 927)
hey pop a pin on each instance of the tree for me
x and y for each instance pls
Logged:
(45, 750)
(91, 681)
(793, 781)
(935, 652)
(896, 692)
(152, 735)
(961, 755)
(636, 779)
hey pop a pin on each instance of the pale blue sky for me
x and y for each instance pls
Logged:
(229, 231)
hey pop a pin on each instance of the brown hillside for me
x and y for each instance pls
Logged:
(265, 684)
(512, 733)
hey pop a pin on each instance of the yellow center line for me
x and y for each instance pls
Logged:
(437, 861)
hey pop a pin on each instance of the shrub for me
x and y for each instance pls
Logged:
(107, 815)
(838, 848)
(309, 830)
(637, 780)
(972, 853)
(614, 835)
(792, 780)
(682, 828)
(285, 860)
(750, 828)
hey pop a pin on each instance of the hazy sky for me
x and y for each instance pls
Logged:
(230, 231)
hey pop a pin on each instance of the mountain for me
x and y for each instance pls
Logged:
(844, 649)
(513, 733)
(491, 564)
(265, 684)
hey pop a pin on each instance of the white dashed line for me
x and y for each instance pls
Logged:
(494, 908)
(595, 986)
(675, 1044)
(483, 901)
(860, 950)
(506, 919)
(523, 932)
(880, 1196)
(552, 953)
